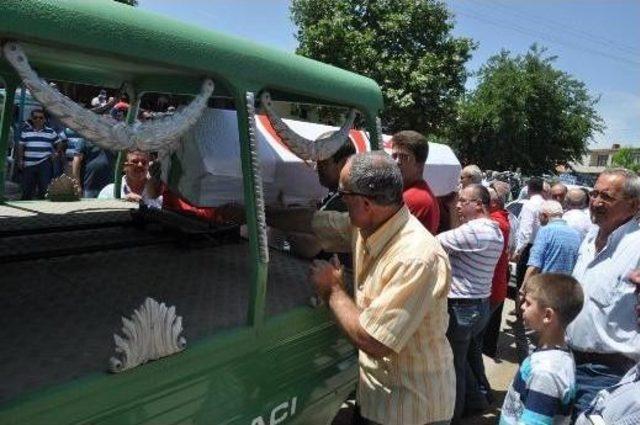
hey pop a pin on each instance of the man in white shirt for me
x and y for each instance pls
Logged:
(605, 337)
(576, 213)
(136, 185)
(528, 227)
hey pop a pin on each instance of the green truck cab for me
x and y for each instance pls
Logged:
(256, 353)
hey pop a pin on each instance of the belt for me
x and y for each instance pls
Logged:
(615, 361)
(466, 300)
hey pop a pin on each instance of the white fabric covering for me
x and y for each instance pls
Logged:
(209, 163)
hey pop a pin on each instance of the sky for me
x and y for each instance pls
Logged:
(596, 41)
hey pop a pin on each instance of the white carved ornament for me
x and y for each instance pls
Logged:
(152, 332)
(106, 132)
(306, 149)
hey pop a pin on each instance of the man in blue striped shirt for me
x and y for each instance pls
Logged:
(38, 144)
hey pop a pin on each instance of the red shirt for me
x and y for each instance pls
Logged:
(501, 274)
(174, 202)
(423, 205)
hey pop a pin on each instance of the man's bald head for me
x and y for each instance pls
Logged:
(576, 199)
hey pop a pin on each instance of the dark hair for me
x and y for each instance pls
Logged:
(557, 291)
(37, 111)
(376, 176)
(482, 193)
(535, 185)
(344, 152)
(413, 141)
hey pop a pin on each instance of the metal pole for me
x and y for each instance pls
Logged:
(7, 120)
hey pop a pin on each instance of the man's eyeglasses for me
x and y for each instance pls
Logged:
(466, 201)
(37, 117)
(140, 162)
(604, 196)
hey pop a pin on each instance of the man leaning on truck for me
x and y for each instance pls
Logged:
(401, 277)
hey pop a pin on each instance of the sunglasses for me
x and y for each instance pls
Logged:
(37, 117)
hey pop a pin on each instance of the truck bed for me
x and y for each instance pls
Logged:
(66, 290)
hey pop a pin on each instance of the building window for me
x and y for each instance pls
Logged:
(602, 160)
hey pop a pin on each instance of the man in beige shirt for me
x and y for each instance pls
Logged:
(401, 278)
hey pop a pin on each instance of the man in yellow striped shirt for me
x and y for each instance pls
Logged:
(401, 278)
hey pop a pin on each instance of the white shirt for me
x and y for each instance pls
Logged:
(579, 220)
(607, 322)
(529, 222)
(107, 193)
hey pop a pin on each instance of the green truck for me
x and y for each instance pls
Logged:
(223, 319)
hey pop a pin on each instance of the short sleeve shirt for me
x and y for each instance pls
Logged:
(402, 278)
(99, 165)
(607, 321)
(423, 205)
(543, 390)
(555, 249)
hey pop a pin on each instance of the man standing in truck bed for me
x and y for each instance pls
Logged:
(401, 277)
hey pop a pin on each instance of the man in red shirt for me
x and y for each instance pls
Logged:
(410, 150)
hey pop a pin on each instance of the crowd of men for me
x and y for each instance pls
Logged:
(428, 298)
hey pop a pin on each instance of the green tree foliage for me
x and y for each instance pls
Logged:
(404, 45)
(525, 113)
(627, 158)
(129, 2)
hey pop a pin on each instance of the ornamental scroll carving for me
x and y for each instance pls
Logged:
(106, 132)
(152, 332)
(308, 150)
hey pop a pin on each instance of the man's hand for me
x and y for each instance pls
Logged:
(326, 276)
(516, 257)
(133, 197)
(634, 277)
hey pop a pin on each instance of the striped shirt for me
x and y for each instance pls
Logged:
(474, 249)
(38, 145)
(401, 278)
(543, 390)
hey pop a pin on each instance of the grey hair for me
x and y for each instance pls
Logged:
(551, 208)
(474, 172)
(576, 199)
(631, 188)
(377, 176)
(495, 196)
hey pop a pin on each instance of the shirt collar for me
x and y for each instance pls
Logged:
(374, 244)
(558, 221)
(615, 236)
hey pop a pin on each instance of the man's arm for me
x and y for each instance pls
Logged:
(461, 239)
(531, 271)
(329, 284)
(290, 219)
(20, 156)
(76, 168)
(525, 229)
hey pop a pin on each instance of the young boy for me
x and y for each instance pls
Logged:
(542, 391)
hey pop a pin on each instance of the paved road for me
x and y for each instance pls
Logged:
(500, 372)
